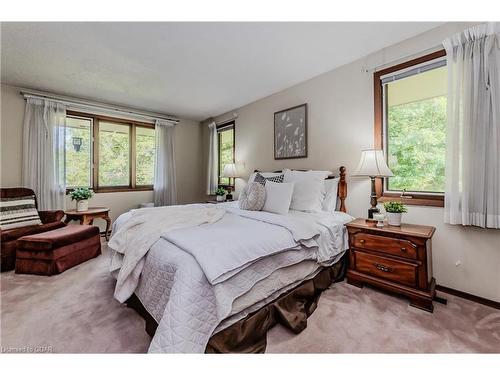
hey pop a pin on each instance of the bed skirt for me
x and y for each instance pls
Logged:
(249, 335)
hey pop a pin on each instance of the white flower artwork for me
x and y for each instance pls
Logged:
(290, 133)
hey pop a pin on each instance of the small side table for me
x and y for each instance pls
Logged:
(213, 201)
(87, 217)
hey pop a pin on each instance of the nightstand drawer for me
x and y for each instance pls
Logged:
(389, 245)
(399, 272)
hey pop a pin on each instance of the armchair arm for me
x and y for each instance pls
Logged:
(51, 216)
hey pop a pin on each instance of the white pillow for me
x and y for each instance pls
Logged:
(278, 197)
(332, 188)
(309, 189)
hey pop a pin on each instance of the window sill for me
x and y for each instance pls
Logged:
(119, 189)
(115, 190)
(417, 200)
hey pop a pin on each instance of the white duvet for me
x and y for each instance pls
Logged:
(141, 230)
(240, 238)
(194, 273)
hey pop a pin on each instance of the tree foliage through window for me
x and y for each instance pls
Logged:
(417, 136)
(145, 156)
(416, 131)
(114, 154)
(226, 152)
(78, 151)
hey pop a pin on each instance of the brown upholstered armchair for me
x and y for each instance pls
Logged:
(50, 220)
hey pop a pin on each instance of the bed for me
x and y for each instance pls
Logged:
(220, 285)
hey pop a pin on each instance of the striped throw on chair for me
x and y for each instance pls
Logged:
(18, 212)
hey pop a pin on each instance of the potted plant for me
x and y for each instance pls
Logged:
(394, 212)
(81, 195)
(220, 194)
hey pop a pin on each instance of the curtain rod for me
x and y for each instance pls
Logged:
(83, 103)
(234, 117)
(403, 58)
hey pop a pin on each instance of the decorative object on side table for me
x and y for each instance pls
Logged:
(81, 195)
(372, 164)
(394, 211)
(380, 220)
(220, 194)
(290, 133)
(396, 259)
(230, 171)
(88, 216)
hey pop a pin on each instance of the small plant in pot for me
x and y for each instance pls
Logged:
(220, 194)
(394, 211)
(81, 195)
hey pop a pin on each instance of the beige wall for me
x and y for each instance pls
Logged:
(340, 125)
(188, 139)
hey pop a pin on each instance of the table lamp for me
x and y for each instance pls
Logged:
(372, 164)
(230, 171)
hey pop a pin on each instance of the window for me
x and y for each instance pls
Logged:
(108, 154)
(144, 156)
(226, 150)
(410, 125)
(78, 155)
(114, 154)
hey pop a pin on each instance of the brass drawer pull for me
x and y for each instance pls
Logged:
(383, 268)
(362, 242)
(403, 249)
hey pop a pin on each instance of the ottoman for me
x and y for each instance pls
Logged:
(55, 251)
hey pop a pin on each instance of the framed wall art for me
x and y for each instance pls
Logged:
(290, 133)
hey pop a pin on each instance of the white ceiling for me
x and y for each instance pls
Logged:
(192, 70)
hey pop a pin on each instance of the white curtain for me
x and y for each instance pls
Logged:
(165, 191)
(43, 152)
(213, 159)
(472, 192)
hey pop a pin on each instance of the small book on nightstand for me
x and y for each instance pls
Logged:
(395, 259)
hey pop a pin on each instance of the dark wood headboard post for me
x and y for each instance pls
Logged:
(342, 189)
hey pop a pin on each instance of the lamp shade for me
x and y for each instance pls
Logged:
(372, 164)
(230, 171)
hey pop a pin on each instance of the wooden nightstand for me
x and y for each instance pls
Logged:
(396, 259)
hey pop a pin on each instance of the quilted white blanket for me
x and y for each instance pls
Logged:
(225, 249)
(192, 276)
(135, 237)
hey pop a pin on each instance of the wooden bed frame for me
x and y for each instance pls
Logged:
(342, 192)
(335, 273)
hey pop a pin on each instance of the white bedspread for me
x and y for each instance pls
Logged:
(232, 244)
(177, 292)
(134, 238)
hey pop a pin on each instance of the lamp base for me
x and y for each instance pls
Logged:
(371, 211)
(229, 197)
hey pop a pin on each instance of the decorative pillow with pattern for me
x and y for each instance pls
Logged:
(253, 197)
(18, 212)
(262, 180)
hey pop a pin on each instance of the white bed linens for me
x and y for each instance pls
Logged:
(176, 292)
(133, 239)
(231, 244)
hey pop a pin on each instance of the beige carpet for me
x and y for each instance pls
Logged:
(75, 312)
